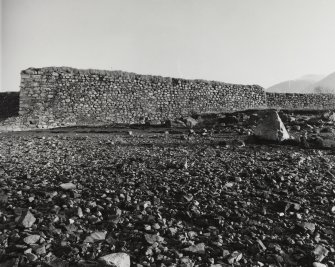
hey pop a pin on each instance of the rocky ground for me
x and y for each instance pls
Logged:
(69, 198)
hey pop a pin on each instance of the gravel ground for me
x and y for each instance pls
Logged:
(66, 199)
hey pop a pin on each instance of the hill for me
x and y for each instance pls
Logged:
(326, 85)
(300, 85)
(303, 84)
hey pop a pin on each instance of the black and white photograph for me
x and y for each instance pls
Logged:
(167, 133)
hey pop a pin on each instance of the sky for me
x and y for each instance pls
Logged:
(236, 41)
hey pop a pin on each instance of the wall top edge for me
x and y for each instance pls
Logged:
(299, 94)
(125, 74)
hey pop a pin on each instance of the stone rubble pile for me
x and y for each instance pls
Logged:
(149, 200)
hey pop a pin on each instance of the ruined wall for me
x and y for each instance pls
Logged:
(9, 104)
(65, 96)
(300, 101)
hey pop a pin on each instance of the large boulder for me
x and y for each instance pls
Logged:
(229, 119)
(270, 127)
(253, 119)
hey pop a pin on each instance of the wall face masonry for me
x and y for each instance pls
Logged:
(300, 101)
(60, 96)
(51, 97)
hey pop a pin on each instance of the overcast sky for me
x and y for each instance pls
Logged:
(238, 41)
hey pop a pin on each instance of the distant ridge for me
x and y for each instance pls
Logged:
(324, 86)
(292, 86)
(303, 85)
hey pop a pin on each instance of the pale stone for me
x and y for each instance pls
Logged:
(319, 264)
(199, 248)
(27, 219)
(190, 122)
(116, 260)
(31, 239)
(68, 186)
(96, 236)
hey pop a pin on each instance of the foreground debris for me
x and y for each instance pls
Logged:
(153, 200)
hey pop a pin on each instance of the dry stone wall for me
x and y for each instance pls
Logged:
(52, 97)
(300, 101)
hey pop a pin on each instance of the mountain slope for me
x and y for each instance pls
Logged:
(292, 86)
(300, 85)
(326, 85)
(313, 77)
(303, 84)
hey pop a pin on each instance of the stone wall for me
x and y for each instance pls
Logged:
(9, 104)
(65, 96)
(300, 101)
(51, 97)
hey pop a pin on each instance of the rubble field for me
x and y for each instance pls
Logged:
(134, 197)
